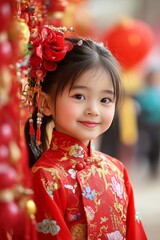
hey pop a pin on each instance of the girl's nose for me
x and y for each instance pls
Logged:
(92, 110)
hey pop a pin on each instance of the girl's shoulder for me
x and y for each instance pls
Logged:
(110, 160)
(47, 160)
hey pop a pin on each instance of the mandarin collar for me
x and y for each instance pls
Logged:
(63, 143)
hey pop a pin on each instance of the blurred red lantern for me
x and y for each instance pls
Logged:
(10, 213)
(5, 52)
(129, 41)
(8, 176)
(4, 153)
(75, 1)
(5, 14)
(57, 5)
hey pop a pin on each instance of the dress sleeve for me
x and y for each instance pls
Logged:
(50, 199)
(135, 230)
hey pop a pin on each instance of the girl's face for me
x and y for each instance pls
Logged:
(87, 110)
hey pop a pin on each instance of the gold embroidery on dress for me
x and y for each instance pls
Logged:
(102, 172)
(119, 208)
(67, 147)
(103, 219)
(102, 230)
(50, 186)
(90, 213)
(54, 145)
(64, 158)
(114, 168)
(76, 151)
(116, 222)
(53, 171)
(124, 229)
(78, 232)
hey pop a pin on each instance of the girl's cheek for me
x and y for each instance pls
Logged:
(110, 115)
(74, 110)
(69, 107)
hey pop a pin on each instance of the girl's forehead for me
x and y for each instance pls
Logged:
(93, 76)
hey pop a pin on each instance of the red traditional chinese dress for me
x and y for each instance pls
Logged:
(83, 194)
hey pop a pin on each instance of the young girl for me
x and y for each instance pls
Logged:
(80, 193)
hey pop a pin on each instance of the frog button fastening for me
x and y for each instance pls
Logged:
(80, 165)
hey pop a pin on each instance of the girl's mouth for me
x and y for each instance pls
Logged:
(89, 124)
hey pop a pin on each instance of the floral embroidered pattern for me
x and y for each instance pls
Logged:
(76, 151)
(68, 186)
(50, 193)
(115, 236)
(48, 226)
(104, 219)
(90, 213)
(72, 172)
(49, 187)
(88, 193)
(94, 201)
(117, 188)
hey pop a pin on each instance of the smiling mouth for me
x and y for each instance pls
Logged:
(89, 124)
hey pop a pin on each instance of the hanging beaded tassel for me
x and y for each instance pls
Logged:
(39, 123)
(30, 101)
(31, 127)
(38, 132)
(40, 106)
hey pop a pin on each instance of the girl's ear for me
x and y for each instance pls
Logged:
(47, 106)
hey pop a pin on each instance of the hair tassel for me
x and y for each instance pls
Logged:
(38, 132)
(31, 128)
(38, 135)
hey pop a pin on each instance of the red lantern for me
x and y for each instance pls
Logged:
(5, 14)
(8, 176)
(4, 153)
(10, 213)
(5, 52)
(76, 1)
(129, 41)
(57, 6)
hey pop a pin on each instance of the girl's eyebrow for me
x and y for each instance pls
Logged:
(79, 87)
(110, 91)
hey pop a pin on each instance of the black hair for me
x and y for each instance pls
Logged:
(82, 57)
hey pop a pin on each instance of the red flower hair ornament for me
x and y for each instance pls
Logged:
(48, 48)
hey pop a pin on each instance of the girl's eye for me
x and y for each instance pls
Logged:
(79, 97)
(105, 100)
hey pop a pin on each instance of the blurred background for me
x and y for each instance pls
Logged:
(131, 30)
(134, 137)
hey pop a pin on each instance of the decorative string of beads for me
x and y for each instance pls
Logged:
(31, 128)
(39, 118)
(39, 123)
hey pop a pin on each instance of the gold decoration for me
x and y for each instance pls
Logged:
(5, 86)
(15, 152)
(20, 32)
(31, 208)
(6, 195)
